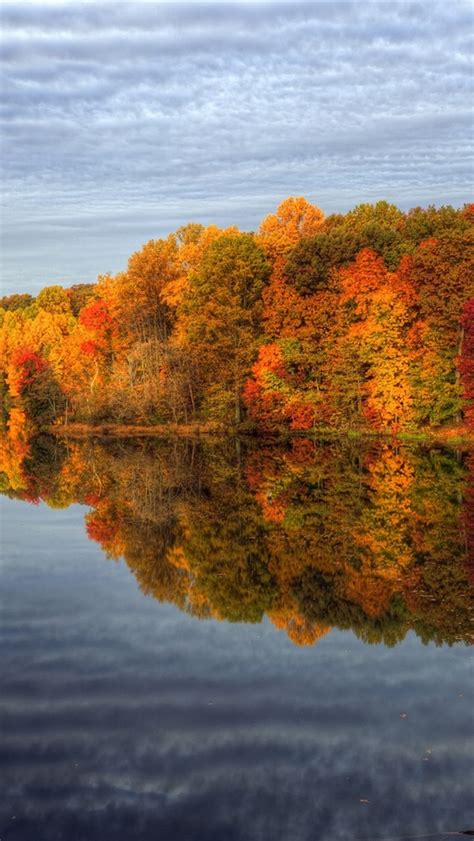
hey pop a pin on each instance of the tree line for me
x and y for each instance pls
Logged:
(358, 321)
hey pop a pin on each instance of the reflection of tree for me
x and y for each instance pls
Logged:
(29, 468)
(468, 518)
(225, 546)
(374, 537)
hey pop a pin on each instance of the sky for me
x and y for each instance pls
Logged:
(121, 122)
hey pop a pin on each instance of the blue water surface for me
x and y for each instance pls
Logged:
(123, 718)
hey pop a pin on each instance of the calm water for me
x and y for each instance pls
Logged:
(236, 643)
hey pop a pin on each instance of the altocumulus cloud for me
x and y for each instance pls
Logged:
(123, 121)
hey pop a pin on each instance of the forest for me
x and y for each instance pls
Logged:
(356, 322)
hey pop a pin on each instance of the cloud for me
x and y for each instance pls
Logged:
(122, 121)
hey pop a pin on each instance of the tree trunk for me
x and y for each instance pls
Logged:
(458, 374)
(237, 410)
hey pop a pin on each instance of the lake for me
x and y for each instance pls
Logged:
(236, 641)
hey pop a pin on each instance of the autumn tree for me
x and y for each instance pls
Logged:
(442, 273)
(136, 296)
(192, 241)
(16, 301)
(466, 361)
(423, 223)
(137, 304)
(278, 234)
(97, 344)
(282, 390)
(53, 299)
(222, 314)
(294, 219)
(80, 294)
(379, 309)
(33, 386)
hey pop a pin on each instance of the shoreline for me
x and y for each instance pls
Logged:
(84, 430)
(453, 436)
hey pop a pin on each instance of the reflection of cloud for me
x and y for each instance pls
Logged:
(296, 783)
(123, 718)
(122, 121)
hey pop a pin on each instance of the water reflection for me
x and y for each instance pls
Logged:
(374, 537)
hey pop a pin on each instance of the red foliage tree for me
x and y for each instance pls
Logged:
(97, 319)
(28, 365)
(468, 517)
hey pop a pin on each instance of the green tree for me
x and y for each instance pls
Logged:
(80, 295)
(16, 301)
(54, 299)
(222, 311)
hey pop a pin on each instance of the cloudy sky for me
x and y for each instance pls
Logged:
(123, 121)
